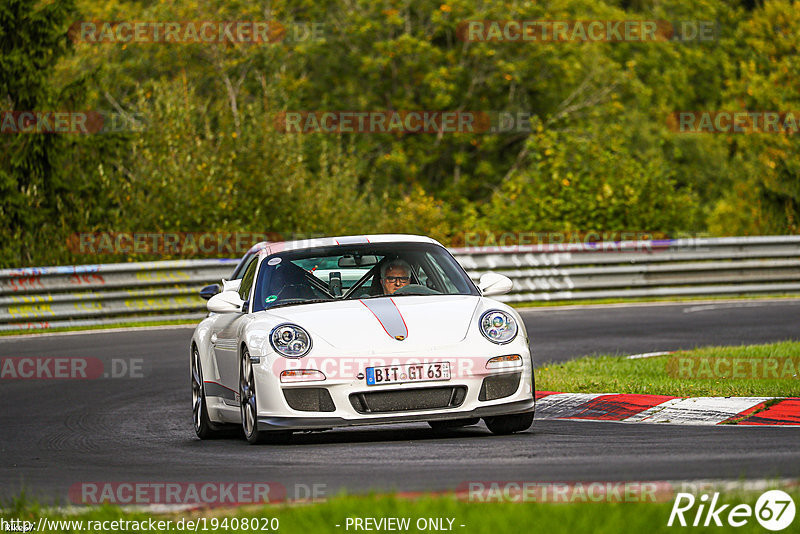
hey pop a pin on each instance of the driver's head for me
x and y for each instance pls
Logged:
(394, 275)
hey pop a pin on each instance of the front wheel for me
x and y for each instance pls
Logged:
(508, 424)
(249, 407)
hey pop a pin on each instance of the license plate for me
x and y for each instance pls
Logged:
(412, 372)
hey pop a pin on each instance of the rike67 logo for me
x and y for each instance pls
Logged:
(774, 510)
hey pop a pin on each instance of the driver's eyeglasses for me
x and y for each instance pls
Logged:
(395, 279)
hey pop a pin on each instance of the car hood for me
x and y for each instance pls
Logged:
(379, 323)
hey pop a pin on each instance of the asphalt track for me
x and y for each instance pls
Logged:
(58, 433)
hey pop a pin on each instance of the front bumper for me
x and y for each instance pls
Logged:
(280, 422)
(346, 379)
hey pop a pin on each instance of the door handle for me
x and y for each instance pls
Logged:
(213, 339)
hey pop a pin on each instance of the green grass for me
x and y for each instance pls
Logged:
(664, 375)
(477, 518)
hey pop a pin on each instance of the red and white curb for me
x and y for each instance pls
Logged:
(630, 408)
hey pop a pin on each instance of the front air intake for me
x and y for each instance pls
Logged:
(407, 400)
(499, 386)
(309, 399)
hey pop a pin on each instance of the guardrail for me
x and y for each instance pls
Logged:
(84, 295)
(52, 297)
(630, 269)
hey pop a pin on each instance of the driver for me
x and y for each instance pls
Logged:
(394, 275)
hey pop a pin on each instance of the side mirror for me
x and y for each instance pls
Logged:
(209, 291)
(494, 284)
(225, 302)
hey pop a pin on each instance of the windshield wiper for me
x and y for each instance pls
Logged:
(293, 302)
(364, 297)
(405, 294)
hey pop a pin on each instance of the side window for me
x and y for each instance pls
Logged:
(247, 279)
(436, 273)
(239, 271)
(422, 276)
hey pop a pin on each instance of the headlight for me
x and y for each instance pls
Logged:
(498, 327)
(290, 340)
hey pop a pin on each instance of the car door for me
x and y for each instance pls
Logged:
(225, 339)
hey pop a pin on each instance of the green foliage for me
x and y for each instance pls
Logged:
(42, 180)
(599, 154)
(590, 181)
(31, 182)
(765, 197)
(235, 177)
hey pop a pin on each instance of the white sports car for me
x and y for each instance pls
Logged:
(359, 330)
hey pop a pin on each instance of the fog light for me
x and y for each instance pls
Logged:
(505, 362)
(302, 375)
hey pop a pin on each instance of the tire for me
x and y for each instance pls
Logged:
(203, 426)
(249, 407)
(453, 423)
(508, 424)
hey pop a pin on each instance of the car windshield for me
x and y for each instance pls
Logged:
(328, 274)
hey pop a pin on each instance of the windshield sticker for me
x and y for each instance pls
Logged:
(274, 261)
(271, 298)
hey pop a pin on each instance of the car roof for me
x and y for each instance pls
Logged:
(258, 247)
(274, 247)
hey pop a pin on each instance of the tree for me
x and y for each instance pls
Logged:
(41, 175)
(765, 196)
